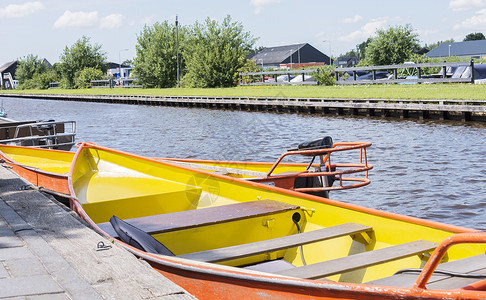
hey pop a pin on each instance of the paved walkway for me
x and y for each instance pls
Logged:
(46, 252)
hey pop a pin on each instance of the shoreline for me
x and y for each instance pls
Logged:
(417, 91)
(435, 109)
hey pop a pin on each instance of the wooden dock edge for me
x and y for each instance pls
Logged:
(68, 250)
(421, 109)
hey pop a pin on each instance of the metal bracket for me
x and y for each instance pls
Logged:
(101, 246)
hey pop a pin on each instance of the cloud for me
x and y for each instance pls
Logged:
(19, 11)
(77, 20)
(477, 22)
(81, 19)
(366, 30)
(461, 5)
(149, 20)
(112, 21)
(260, 4)
(354, 19)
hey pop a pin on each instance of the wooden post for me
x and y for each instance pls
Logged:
(442, 115)
(424, 114)
(472, 71)
(403, 114)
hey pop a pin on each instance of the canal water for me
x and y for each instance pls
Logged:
(427, 169)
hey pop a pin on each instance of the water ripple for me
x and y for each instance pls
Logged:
(427, 169)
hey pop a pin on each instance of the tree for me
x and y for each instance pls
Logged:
(392, 46)
(474, 37)
(215, 52)
(434, 45)
(361, 48)
(79, 56)
(27, 69)
(156, 62)
(351, 53)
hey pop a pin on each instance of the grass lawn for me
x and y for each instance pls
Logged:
(423, 91)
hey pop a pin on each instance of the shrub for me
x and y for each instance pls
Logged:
(82, 80)
(324, 75)
(42, 80)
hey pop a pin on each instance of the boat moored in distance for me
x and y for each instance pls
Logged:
(49, 168)
(47, 134)
(318, 177)
(222, 237)
(3, 112)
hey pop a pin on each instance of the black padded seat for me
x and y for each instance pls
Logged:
(138, 238)
(323, 143)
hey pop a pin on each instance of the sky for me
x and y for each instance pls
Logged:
(45, 27)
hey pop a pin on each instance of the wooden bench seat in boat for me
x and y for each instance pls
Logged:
(360, 260)
(203, 217)
(471, 265)
(246, 250)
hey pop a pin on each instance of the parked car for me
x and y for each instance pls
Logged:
(285, 78)
(369, 76)
(358, 73)
(306, 78)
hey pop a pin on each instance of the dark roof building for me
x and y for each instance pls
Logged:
(7, 75)
(294, 55)
(473, 49)
(346, 61)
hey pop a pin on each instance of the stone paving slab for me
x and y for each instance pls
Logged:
(29, 285)
(47, 252)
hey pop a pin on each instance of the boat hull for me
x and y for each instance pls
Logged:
(41, 167)
(209, 281)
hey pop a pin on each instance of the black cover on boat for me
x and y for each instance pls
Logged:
(138, 238)
(323, 143)
(316, 182)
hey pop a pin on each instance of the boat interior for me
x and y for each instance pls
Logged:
(163, 209)
(318, 176)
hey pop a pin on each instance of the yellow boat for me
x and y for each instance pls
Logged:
(222, 237)
(49, 169)
(42, 167)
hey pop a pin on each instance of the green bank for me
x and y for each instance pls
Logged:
(423, 91)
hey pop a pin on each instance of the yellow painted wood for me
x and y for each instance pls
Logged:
(123, 183)
(47, 160)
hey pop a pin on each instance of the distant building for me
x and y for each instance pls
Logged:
(346, 61)
(7, 75)
(292, 56)
(472, 49)
(117, 71)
